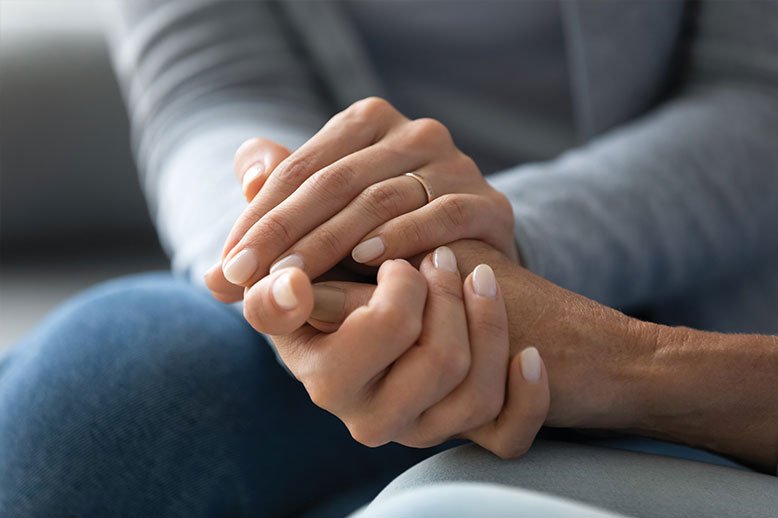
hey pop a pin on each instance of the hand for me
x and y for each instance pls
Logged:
(416, 360)
(344, 192)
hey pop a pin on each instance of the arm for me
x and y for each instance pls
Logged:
(609, 371)
(198, 78)
(683, 195)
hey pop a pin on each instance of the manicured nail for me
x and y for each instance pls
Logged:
(251, 173)
(282, 292)
(329, 303)
(484, 282)
(444, 259)
(368, 250)
(530, 364)
(240, 268)
(290, 261)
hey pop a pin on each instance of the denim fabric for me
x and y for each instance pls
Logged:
(145, 397)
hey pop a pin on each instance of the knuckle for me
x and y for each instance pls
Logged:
(453, 363)
(382, 199)
(467, 164)
(490, 327)
(428, 131)
(454, 212)
(292, 172)
(328, 243)
(504, 209)
(507, 451)
(367, 432)
(273, 229)
(390, 316)
(411, 231)
(332, 180)
(368, 108)
(322, 391)
(450, 291)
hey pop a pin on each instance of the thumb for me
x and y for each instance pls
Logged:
(254, 160)
(333, 301)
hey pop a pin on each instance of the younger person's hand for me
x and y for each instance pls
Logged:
(419, 359)
(344, 192)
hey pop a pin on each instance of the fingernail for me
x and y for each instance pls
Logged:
(251, 173)
(444, 259)
(282, 292)
(530, 364)
(484, 282)
(240, 268)
(329, 303)
(290, 261)
(368, 250)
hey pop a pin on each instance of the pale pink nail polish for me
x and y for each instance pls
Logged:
(484, 282)
(530, 365)
(251, 173)
(283, 294)
(368, 250)
(290, 261)
(444, 259)
(241, 267)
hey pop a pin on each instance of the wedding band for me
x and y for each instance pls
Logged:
(423, 182)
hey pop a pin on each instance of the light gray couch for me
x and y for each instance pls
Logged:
(71, 208)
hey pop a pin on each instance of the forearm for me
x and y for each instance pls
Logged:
(711, 390)
(708, 390)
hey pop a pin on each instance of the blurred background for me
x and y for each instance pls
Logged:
(71, 210)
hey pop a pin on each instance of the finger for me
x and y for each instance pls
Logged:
(479, 398)
(352, 129)
(327, 244)
(424, 375)
(525, 410)
(221, 289)
(333, 301)
(445, 219)
(318, 199)
(369, 339)
(254, 160)
(279, 303)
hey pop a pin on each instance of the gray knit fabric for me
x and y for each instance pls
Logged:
(626, 482)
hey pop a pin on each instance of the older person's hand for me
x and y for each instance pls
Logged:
(417, 359)
(345, 192)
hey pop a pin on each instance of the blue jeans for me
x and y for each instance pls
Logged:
(144, 396)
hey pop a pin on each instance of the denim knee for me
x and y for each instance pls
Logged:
(146, 381)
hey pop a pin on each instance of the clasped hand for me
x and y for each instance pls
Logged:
(421, 357)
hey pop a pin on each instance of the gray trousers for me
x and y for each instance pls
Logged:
(557, 478)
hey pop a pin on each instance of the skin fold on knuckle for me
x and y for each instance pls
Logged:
(428, 132)
(395, 320)
(382, 199)
(328, 243)
(410, 232)
(271, 229)
(446, 289)
(454, 214)
(293, 171)
(450, 364)
(363, 115)
(335, 179)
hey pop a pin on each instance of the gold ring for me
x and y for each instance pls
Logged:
(423, 182)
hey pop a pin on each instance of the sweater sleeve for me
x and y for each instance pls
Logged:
(681, 196)
(200, 77)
